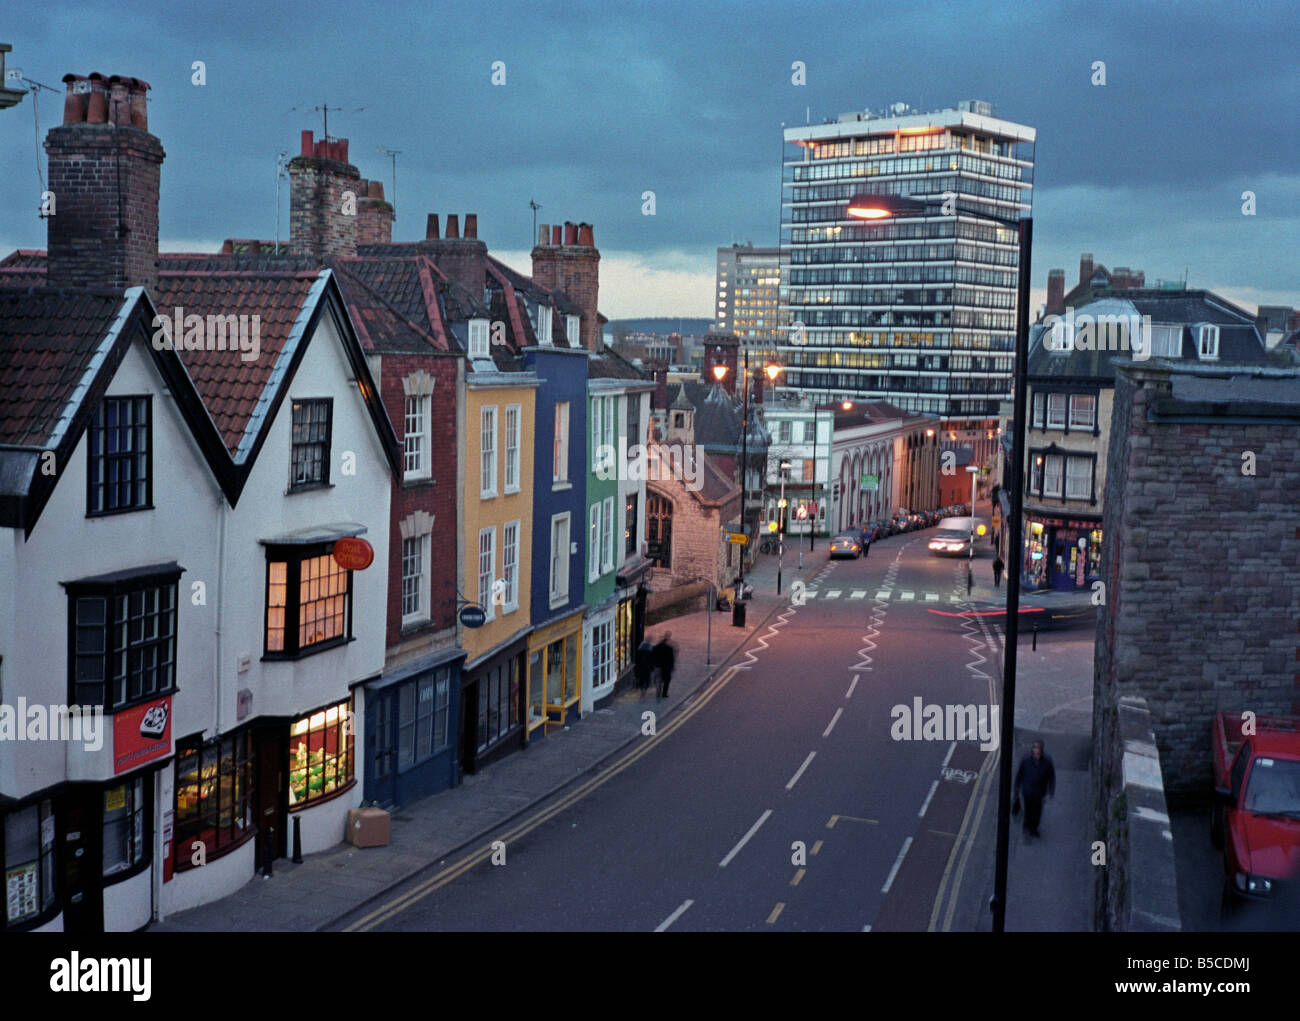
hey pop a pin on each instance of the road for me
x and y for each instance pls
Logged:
(776, 797)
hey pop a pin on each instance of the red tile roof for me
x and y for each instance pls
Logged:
(229, 385)
(47, 339)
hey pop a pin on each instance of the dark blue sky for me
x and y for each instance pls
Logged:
(687, 100)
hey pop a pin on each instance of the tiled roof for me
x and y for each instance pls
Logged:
(230, 386)
(47, 339)
(609, 364)
(378, 293)
(23, 268)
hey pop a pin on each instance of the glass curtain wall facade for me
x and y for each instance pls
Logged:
(918, 309)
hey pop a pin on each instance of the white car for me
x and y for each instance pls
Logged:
(952, 538)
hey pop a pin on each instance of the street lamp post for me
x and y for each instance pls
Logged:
(780, 534)
(970, 547)
(878, 207)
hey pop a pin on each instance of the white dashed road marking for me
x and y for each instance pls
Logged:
(745, 839)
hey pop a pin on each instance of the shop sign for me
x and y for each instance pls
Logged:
(870, 483)
(353, 554)
(141, 734)
(473, 616)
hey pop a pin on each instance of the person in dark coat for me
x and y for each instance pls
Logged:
(664, 660)
(1035, 780)
(643, 665)
(864, 540)
(998, 566)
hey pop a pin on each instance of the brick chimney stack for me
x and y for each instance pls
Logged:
(374, 215)
(463, 259)
(318, 178)
(104, 169)
(571, 264)
(1055, 291)
(1085, 269)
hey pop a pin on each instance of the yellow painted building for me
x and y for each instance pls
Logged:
(497, 518)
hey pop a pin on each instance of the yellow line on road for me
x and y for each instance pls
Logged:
(849, 818)
(816, 847)
(474, 858)
(776, 912)
(961, 849)
(797, 876)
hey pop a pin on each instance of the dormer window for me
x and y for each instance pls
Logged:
(478, 339)
(573, 330)
(1208, 341)
(544, 324)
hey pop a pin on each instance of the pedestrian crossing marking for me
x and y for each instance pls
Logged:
(811, 593)
(858, 593)
(932, 597)
(832, 594)
(883, 594)
(905, 596)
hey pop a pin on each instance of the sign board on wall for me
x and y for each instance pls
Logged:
(142, 733)
(870, 483)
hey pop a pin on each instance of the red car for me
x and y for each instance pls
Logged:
(1256, 815)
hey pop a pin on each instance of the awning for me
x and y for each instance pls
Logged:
(317, 534)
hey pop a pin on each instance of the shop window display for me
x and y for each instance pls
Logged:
(29, 861)
(125, 844)
(214, 794)
(320, 754)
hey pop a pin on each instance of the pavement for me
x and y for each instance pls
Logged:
(329, 886)
(1050, 885)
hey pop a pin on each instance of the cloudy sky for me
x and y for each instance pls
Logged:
(602, 103)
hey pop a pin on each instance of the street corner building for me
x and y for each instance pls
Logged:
(194, 542)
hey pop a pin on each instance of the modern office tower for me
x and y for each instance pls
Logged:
(916, 309)
(748, 295)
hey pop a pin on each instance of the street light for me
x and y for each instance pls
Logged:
(970, 548)
(780, 516)
(880, 207)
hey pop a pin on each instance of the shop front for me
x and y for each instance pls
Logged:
(492, 707)
(629, 624)
(1061, 554)
(411, 729)
(554, 676)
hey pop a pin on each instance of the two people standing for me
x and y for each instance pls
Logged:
(661, 657)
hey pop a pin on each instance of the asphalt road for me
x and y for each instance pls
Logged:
(776, 798)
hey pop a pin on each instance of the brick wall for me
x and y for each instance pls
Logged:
(105, 229)
(574, 268)
(699, 552)
(1202, 570)
(437, 496)
(318, 225)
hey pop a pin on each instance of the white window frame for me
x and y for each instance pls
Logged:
(514, 432)
(510, 565)
(1084, 491)
(1056, 403)
(600, 445)
(485, 579)
(544, 334)
(594, 524)
(1048, 460)
(560, 539)
(417, 407)
(560, 445)
(421, 612)
(1038, 405)
(478, 339)
(602, 654)
(1077, 419)
(607, 534)
(573, 329)
(487, 476)
(1207, 342)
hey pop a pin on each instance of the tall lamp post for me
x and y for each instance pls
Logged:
(772, 370)
(881, 207)
(970, 546)
(780, 535)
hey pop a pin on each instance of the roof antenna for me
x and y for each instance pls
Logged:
(534, 206)
(392, 154)
(281, 161)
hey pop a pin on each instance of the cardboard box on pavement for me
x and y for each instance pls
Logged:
(368, 827)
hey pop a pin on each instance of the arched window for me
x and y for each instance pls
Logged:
(659, 527)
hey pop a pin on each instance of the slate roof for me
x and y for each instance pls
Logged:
(609, 364)
(23, 268)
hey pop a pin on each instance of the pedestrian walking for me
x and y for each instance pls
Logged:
(998, 566)
(643, 665)
(1035, 781)
(865, 540)
(664, 659)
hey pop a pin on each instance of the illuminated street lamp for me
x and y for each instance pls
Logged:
(780, 516)
(881, 207)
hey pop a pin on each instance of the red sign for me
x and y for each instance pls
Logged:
(354, 554)
(141, 734)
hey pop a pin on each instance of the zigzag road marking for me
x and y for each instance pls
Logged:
(782, 618)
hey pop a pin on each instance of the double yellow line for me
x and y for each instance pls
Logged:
(477, 857)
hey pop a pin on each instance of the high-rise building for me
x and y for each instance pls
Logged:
(749, 281)
(917, 309)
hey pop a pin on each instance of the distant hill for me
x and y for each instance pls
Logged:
(660, 324)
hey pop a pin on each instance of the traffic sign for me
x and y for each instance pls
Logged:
(737, 538)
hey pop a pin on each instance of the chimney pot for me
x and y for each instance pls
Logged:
(431, 228)
(228, 247)
(556, 233)
(343, 150)
(139, 104)
(97, 109)
(471, 225)
(453, 225)
(585, 235)
(74, 102)
(543, 235)
(375, 189)
(570, 233)
(307, 146)
(255, 248)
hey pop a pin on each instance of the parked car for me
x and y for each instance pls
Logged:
(953, 537)
(1256, 814)
(846, 544)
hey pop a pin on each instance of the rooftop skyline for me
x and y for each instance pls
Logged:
(599, 106)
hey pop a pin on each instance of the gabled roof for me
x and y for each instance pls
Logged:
(606, 363)
(58, 352)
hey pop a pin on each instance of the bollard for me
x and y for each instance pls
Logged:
(1035, 649)
(297, 840)
(268, 853)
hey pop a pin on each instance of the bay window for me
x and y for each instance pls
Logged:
(214, 796)
(320, 754)
(308, 601)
